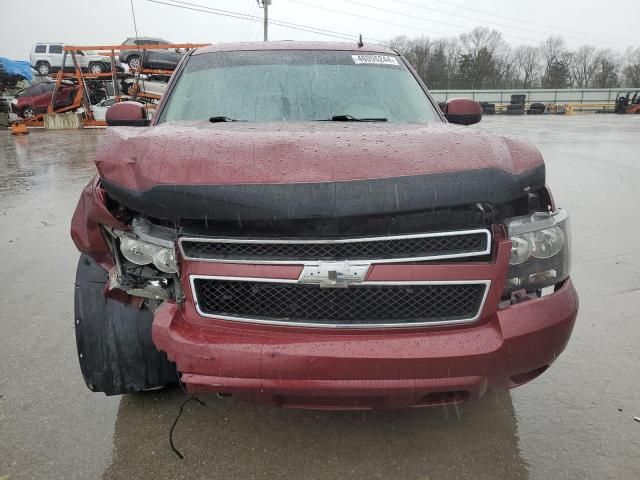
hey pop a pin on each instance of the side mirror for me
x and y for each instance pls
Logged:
(463, 111)
(126, 114)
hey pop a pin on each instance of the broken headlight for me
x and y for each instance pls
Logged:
(144, 253)
(540, 251)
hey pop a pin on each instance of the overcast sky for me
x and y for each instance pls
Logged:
(612, 23)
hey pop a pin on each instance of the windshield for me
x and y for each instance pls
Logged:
(291, 86)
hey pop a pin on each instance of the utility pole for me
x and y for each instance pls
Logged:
(264, 4)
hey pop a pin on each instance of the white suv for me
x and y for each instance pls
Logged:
(47, 58)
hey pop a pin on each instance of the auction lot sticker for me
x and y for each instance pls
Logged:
(375, 59)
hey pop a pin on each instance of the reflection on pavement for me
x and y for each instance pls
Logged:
(231, 439)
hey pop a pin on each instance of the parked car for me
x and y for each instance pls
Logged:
(35, 99)
(151, 59)
(100, 109)
(153, 84)
(46, 58)
(326, 239)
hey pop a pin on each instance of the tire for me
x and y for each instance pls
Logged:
(134, 62)
(114, 343)
(536, 108)
(28, 112)
(43, 68)
(488, 108)
(515, 110)
(96, 68)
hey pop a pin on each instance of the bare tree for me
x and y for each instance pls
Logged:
(632, 67)
(527, 60)
(583, 66)
(608, 65)
(421, 54)
(505, 68)
(482, 59)
(400, 44)
(555, 56)
(478, 58)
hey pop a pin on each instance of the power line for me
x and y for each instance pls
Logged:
(238, 15)
(430, 20)
(551, 27)
(242, 28)
(486, 21)
(342, 12)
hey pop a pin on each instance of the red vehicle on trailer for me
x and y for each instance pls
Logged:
(301, 224)
(35, 99)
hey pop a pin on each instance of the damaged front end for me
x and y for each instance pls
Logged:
(139, 257)
(225, 295)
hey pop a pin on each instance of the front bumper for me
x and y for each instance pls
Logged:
(368, 369)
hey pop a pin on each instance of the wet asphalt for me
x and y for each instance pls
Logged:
(575, 421)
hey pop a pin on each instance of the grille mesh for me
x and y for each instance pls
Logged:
(355, 250)
(363, 304)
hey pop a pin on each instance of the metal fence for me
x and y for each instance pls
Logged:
(570, 95)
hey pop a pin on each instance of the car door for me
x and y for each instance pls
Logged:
(156, 59)
(26, 97)
(54, 55)
(82, 59)
(65, 96)
(38, 53)
(42, 97)
(168, 59)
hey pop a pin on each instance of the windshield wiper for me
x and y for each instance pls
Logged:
(351, 118)
(223, 119)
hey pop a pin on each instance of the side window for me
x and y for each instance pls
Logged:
(48, 87)
(41, 49)
(31, 91)
(55, 48)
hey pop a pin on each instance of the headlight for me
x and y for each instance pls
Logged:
(144, 253)
(540, 251)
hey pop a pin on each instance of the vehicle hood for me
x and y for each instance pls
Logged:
(400, 165)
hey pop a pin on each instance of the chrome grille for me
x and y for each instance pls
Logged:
(377, 249)
(363, 305)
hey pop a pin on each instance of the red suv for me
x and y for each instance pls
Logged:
(35, 99)
(302, 225)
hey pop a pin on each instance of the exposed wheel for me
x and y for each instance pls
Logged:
(134, 62)
(96, 68)
(28, 112)
(44, 68)
(114, 343)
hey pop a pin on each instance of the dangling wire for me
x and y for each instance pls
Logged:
(175, 422)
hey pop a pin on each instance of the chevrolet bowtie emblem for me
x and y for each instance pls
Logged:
(334, 274)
